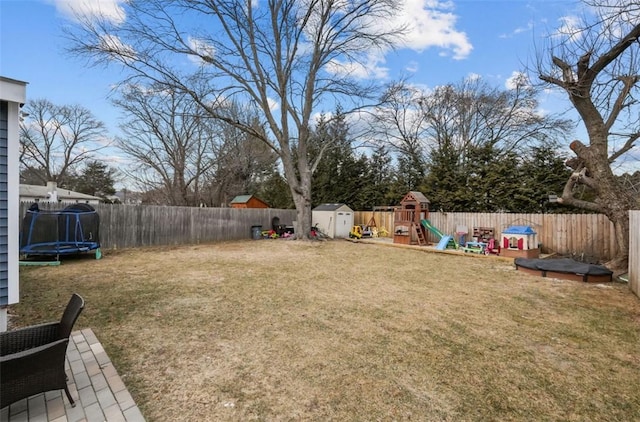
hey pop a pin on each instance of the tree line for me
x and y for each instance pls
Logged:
(468, 147)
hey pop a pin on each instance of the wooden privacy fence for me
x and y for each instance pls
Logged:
(634, 252)
(131, 226)
(585, 236)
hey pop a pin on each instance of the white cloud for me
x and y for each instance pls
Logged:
(273, 104)
(517, 80)
(202, 49)
(431, 23)
(570, 28)
(519, 30)
(412, 66)
(370, 69)
(473, 76)
(317, 116)
(522, 29)
(116, 48)
(110, 10)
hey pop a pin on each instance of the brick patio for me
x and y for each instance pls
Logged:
(95, 385)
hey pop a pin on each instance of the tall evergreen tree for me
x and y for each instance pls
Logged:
(341, 175)
(96, 179)
(377, 184)
(546, 173)
(274, 190)
(446, 183)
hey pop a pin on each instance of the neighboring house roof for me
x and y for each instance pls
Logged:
(329, 207)
(33, 191)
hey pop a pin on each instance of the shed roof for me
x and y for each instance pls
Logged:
(329, 207)
(243, 199)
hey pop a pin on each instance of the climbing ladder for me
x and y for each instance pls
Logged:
(419, 234)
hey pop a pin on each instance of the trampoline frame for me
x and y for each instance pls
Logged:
(66, 246)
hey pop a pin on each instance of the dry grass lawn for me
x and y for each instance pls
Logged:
(277, 330)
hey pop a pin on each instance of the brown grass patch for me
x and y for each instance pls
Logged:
(281, 330)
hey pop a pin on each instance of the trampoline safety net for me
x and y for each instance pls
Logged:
(72, 230)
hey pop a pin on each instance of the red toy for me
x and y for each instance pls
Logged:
(492, 247)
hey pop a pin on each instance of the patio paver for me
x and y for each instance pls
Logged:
(94, 383)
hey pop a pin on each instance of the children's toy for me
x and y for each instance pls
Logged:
(492, 247)
(360, 231)
(445, 242)
(520, 242)
(73, 230)
(475, 247)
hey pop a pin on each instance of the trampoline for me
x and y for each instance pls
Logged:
(72, 230)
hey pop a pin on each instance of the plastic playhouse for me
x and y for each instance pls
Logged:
(520, 242)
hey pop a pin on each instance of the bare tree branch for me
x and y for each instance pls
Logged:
(55, 140)
(602, 89)
(283, 56)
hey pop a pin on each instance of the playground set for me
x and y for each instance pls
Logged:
(412, 227)
(411, 223)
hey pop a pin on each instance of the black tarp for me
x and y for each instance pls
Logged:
(562, 265)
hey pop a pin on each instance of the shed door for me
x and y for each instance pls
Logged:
(344, 221)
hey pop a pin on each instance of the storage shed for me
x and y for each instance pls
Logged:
(335, 220)
(248, 201)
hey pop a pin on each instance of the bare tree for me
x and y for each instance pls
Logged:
(242, 161)
(462, 116)
(284, 56)
(597, 67)
(400, 123)
(170, 140)
(55, 139)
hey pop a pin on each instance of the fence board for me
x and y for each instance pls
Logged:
(128, 226)
(131, 226)
(634, 252)
(590, 236)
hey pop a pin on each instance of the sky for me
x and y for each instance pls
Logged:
(450, 40)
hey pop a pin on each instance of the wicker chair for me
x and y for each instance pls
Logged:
(32, 358)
